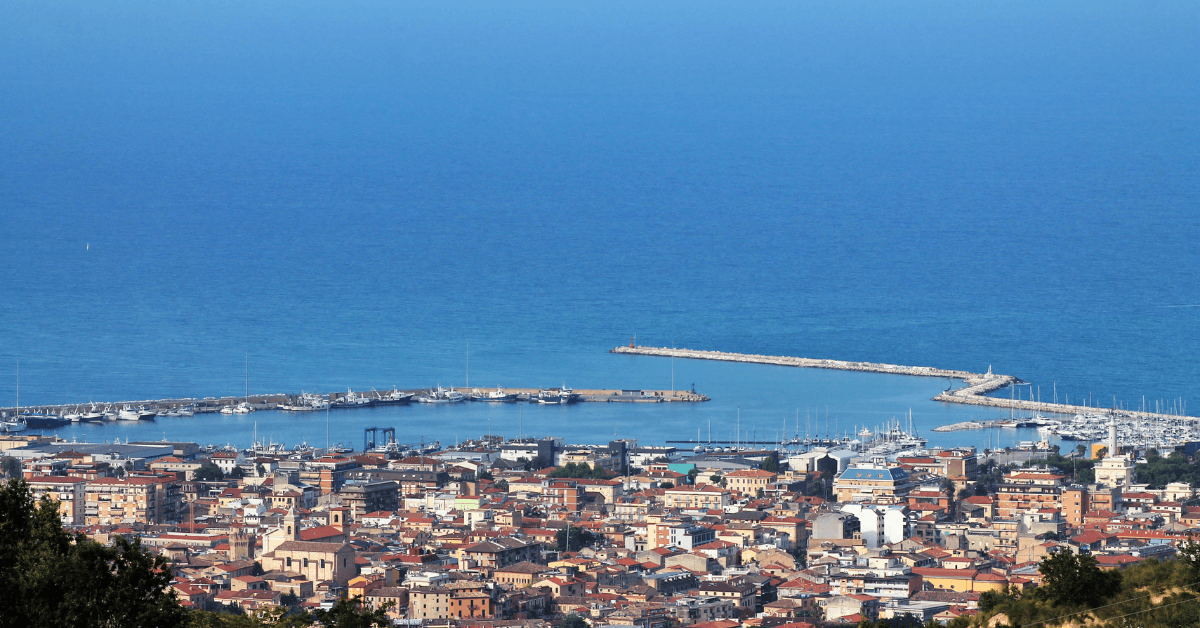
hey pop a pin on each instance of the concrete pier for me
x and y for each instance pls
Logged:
(973, 392)
(272, 400)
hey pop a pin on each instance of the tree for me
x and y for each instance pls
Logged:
(771, 463)
(948, 487)
(579, 471)
(257, 569)
(691, 475)
(759, 493)
(260, 470)
(352, 614)
(485, 475)
(209, 472)
(10, 466)
(666, 485)
(1189, 556)
(579, 538)
(1071, 580)
(502, 485)
(52, 578)
(574, 621)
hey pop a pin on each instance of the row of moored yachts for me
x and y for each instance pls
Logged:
(20, 421)
(308, 402)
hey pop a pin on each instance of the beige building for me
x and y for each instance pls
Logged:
(707, 497)
(749, 481)
(185, 469)
(315, 561)
(69, 492)
(457, 600)
(112, 501)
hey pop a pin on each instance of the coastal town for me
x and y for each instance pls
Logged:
(528, 532)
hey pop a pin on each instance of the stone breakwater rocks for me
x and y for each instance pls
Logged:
(973, 392)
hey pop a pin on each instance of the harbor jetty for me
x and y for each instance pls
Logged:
(271, 401)
(974, 391)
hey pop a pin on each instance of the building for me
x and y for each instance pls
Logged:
(749, 481)
(872, 483)
(499, 553)
(112, 501)
(1028, 489)
(315, 561)
(456, 600)
(69, 492)
(706, 497)
(364, 497)
(1075, 503)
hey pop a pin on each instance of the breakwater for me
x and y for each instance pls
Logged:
(271, 401)
(976, 386)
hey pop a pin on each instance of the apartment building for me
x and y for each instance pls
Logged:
(69, 492)
(1028, 489)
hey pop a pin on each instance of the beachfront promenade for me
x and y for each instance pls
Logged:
(973, 392)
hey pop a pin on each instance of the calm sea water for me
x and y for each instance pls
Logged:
(349, 192)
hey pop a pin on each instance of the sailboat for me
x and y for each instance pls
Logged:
(243, 407)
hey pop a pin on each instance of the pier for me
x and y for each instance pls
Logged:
(271, 401)
(974, 391)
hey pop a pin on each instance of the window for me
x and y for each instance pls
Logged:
(289, 561)
(306, 563)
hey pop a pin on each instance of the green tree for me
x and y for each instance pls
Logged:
(1189, 558)
(579, 537)
(11, 467)
(352, 614)
(484, 475)
(574, 621)
(666, 485)
(1071, 580)
(52, 578)
(209, 472)
(579, 471)
(771, 463)
(502, 485)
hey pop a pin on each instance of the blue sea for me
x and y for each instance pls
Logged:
(346, 194)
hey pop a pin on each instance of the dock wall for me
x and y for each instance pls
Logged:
(973, 392)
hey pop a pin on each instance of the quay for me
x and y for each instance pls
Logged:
(272, 400)
(974, 391)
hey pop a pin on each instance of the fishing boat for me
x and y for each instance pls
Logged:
(498, 395)
(392, 397)
(441, 395)
(127, 414)
(13, 424)
(556, 396)
(306, 402)
(352, 400)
